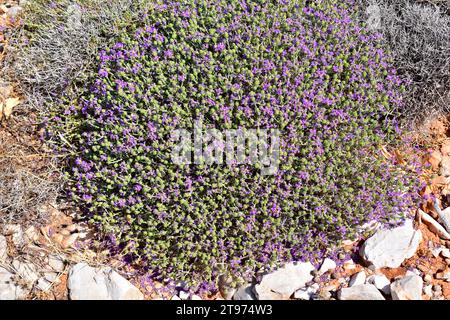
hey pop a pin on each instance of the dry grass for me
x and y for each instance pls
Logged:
(53, 53)
(418, 35)
(29, 176)
(49, 55)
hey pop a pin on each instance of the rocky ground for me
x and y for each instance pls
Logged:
(60, 257)
(61, 261)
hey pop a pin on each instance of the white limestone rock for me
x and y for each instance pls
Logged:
(357, 279)
(282, 283)
(3, 249)
(381, 282)
(245, 292)
(87, 283)
(327, 265)
(409, 287)
(389, 248)
(361, 292)
(9, 290)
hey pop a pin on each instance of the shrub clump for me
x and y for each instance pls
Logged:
(304, 68)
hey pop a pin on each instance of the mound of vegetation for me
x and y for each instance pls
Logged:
(304, 68)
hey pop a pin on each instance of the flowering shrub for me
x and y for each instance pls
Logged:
(305, 69)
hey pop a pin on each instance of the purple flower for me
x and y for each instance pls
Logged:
(103, 73)
(219, 47)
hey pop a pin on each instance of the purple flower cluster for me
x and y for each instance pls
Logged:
(306, 69)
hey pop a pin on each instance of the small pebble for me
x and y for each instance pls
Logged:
(56, 263)
(43, 284)
(357, 279)
(437, 287)
(183, 295)
(349, 265)
(51, 277)
(10, 229)
(428, 290)
(58, 238)
(32, 234)
(69, 241)
(327, 265)
(65, 232)
(325, 295)
(445, 252)
(436, 251)
(330, 287)
(381, 282)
